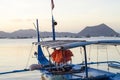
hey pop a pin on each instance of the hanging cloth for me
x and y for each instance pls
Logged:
(61, 56)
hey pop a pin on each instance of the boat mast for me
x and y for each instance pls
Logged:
(53, 21)
(38, 34)
(38, 38)
(53, 28)
(41, 58)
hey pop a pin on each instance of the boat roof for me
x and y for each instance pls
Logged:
(67, 44)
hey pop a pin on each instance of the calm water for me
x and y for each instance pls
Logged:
(14, 55)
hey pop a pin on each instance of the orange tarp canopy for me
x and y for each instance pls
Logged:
(61, 56)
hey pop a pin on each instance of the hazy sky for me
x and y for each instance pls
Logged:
(71, 15)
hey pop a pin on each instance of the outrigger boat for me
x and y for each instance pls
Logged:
(59, 66)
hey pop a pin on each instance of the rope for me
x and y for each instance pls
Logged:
(89, 54)
(36, 30)
(34, 26)
(81, 54)
(117, 50)
(29, 57)
(107, 59)
(97, 56)
(49, 55)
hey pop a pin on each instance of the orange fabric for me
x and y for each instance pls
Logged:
(61, 56)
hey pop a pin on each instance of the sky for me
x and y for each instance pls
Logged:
(71, 15)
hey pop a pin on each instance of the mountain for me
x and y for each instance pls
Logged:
(31, 33)
(4, 34)
(95, 31)
(99, 30)
(28, 33)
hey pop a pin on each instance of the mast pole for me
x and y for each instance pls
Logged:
(38, 34)
(53, 21)
(38, 39)
(85, 55)
(53, 28)
(41, 58)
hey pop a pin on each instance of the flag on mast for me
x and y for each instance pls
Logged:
(52, 4)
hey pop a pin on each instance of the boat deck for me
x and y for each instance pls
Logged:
(93, 74)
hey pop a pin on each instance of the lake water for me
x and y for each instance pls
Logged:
(14, 55)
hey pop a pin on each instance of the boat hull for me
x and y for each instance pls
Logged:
(93, 74)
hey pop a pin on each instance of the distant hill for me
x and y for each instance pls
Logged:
(99, 30)
(28, 33)
(31, 33)
(94, 31)
(4, 34)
